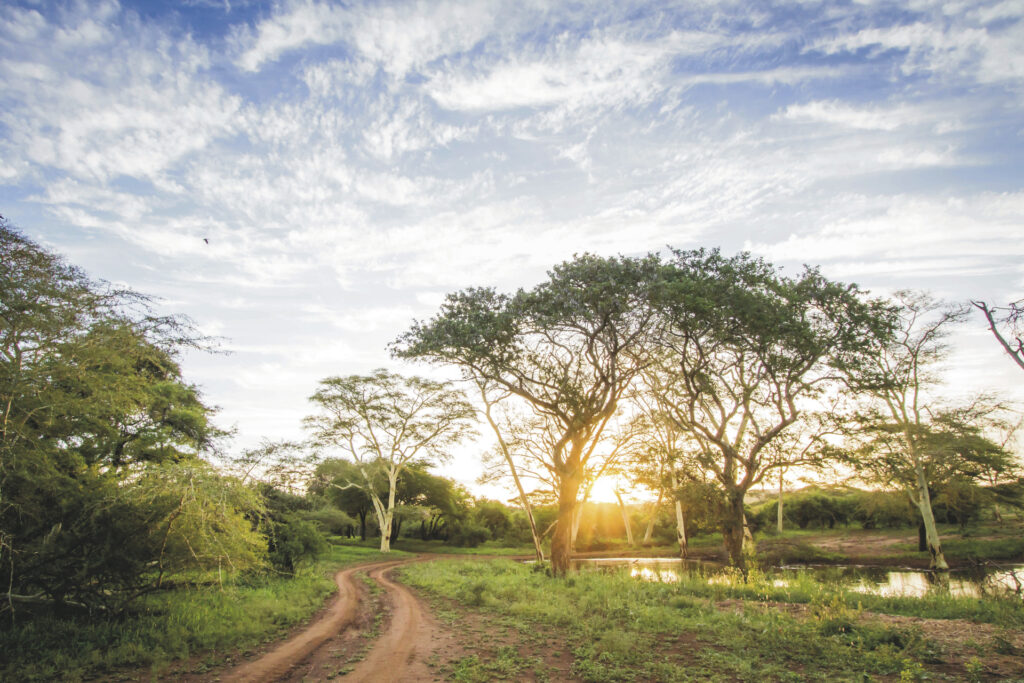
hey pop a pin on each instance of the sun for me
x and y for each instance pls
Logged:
(604, 490)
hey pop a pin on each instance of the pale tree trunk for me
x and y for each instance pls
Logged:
(383, 521)
(924, 504)
(680, 520)
(538, 551)
(389, 514)
(654, 513)
(561, 539)
(515, 475)
(681, 531)
(577, 515)
(625, 519)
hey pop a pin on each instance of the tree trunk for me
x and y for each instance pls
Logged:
(654, 513)
(385, 532)
(680, 520)
(625, 519)
(362, 524)
(924, 503)
(681, 531)
(922, 538)
(561, 539)
(735, 532)
(515, 474)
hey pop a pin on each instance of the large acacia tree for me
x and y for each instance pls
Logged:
(569, 348)
(386, 423)
(744, 352)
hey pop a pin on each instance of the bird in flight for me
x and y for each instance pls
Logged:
(206, 240)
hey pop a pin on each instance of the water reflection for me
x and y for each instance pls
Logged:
(889, 582)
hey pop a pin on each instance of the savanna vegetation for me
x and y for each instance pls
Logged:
(718, 400)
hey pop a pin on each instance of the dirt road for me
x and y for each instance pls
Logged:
(398, 655)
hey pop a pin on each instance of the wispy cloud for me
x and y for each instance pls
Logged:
(312, 175)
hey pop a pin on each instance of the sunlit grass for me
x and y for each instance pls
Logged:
(172, 625)
(616, 626)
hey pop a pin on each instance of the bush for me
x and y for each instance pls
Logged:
(884, 510)
(469, 535)
(331, 521)
(294, 540)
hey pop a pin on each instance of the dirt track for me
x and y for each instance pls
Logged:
(398, 655)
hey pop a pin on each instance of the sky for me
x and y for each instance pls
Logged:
(303, 179)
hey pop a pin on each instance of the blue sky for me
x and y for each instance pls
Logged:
(351, 163)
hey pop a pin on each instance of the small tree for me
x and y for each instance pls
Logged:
(954, 458)
(909, 439)
(385, 422)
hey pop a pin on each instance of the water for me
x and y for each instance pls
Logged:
(885, 581)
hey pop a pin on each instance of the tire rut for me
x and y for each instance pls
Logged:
(400, 654)
(275, 664)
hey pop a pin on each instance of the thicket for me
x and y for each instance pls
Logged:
(106, 492)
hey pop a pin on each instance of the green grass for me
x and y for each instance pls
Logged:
(619, 628)
(413, 545)
(172, 625)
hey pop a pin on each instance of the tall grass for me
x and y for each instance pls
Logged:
(172, 625)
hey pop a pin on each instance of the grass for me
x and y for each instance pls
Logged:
(415, 545)
(620, 629)
(171, 625)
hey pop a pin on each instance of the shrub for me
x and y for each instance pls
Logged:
(469, 535)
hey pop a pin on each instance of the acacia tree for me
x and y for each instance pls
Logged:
(387, 422)
(904, 441)
(569, 348)
(745, 350)
(1007, 326)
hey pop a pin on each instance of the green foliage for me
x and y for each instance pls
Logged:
(294, 540)
(469, 535)
(331, 521)
(387, 424)
(100, 477)
(199, 518)
(242, 612)
(569, 348)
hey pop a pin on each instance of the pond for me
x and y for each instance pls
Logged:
(885, 581)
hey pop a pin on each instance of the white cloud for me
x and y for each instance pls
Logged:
(103, 96)
(400, 38)
(594, 71)
(842, 114)
(912, 236)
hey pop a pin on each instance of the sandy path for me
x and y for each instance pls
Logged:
(401, 653)
(275, 664)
